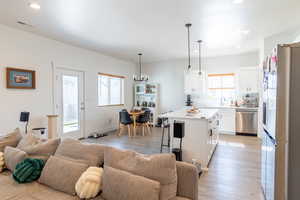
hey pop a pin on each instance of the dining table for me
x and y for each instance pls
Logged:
(135, 114)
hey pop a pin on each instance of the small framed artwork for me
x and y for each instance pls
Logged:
(20, 78)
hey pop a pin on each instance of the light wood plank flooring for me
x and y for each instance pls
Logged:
(234, 172)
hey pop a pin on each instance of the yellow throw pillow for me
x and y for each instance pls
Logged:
(2, 163)
(89, 184)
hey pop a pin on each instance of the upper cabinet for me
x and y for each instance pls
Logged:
(248, 80)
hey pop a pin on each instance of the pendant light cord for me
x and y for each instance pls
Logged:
(199, 42)
(140, 61)
(189, 44)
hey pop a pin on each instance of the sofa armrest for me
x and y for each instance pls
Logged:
(5, 144)
(11, 139)
(187, 185)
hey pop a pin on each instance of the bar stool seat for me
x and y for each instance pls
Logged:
(165, 125)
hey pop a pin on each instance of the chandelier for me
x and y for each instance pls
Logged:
(141, 77)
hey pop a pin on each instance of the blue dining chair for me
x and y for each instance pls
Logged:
(125, 120)
(144, 121)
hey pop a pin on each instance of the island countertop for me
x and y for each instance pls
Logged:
(183, 114)
(230, 107)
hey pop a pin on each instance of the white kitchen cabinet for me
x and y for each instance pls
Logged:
(214, 124)
(227, 121)
(248, 80)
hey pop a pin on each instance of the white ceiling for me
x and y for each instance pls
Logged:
(122, 28)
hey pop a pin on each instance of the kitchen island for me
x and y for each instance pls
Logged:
(201, 134)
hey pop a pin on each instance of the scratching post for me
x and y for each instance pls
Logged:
(52, 126)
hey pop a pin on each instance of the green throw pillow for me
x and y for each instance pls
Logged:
(28, 170)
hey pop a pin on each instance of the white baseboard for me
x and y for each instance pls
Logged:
(104, 130)
(227, 132)
(109, 129)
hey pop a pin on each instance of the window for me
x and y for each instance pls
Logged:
(222, 87)
(110, 90)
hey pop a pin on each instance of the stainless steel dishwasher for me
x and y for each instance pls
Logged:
(246, 122)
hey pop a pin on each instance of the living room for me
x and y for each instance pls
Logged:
(176, 86)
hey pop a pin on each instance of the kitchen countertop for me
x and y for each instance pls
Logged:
(182, 114)
(229, 107)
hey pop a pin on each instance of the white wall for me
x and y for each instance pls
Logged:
(25, 50)
(285, 37)
(170, 75)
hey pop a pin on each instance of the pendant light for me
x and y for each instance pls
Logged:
(188, 26)
(140, 77)
(199, 43)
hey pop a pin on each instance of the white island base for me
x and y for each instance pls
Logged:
(201, 135)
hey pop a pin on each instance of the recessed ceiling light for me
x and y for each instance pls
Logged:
(245, 32)
(238, 1)
(35, 6)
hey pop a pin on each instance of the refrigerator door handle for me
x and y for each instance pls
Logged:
(271, 138)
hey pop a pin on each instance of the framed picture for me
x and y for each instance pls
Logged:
(20, 78)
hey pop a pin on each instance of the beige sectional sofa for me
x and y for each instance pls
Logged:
(10, 190)
(186, 175)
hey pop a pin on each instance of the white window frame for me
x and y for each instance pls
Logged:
(222, 88)
(110, 76)
(222, 75)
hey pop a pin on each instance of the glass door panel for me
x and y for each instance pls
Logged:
(70, 104)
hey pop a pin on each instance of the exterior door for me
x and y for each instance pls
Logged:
(70, 105)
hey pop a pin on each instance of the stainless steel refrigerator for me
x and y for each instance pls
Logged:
(280, 177)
